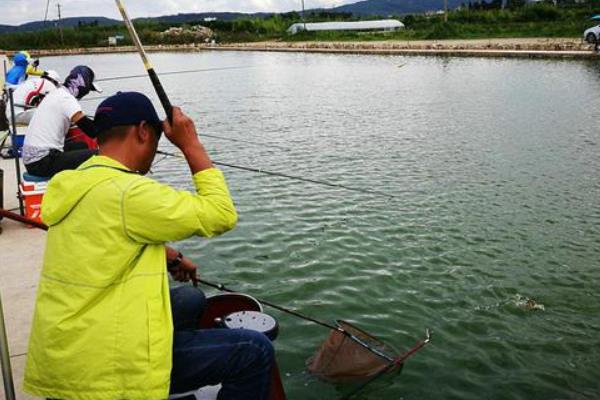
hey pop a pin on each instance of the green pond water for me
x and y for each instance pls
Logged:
(494, 165)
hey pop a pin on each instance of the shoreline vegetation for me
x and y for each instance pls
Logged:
(481, 29)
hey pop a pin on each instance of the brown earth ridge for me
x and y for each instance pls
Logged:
(516, 47)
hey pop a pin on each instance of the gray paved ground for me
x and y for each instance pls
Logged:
(21, 251)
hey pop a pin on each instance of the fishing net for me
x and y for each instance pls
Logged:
(342, 359)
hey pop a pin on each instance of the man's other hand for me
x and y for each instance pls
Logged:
(186, 271)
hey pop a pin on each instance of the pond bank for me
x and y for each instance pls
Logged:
(522, 47)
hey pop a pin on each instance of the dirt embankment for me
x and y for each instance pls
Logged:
(522, 47)
(530, 47)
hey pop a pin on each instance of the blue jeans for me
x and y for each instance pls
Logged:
(240, 360)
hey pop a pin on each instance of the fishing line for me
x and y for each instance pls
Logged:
(206, 135)
(292, 177)
(392, 362)
(297, 314)
(155, 163)
(262, 144)
(166, 103)
(275, 146)
(191, 71)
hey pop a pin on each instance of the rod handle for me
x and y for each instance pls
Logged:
(162, 95)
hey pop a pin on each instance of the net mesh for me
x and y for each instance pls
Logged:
(342, 359)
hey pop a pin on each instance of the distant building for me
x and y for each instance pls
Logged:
(114, 40)
(384, 25)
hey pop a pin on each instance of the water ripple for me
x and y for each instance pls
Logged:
(494, 168)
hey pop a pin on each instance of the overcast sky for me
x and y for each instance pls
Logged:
(15, 12)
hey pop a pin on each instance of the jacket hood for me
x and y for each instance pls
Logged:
(67, 188)
(21, 60)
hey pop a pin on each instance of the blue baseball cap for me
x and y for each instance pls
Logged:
(126, 108)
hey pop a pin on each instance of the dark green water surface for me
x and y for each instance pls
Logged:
(495, 167)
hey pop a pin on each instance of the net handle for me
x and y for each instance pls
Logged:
(397, 362)
(339, 329)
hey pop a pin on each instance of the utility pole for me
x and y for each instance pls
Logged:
(445, 10)
(62, 39)
(303, 19)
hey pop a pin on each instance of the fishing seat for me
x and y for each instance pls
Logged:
(33, 178)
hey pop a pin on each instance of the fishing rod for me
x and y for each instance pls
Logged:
(25, 220)
(190, 71)
(166, 103)
(292, 177)
(169, 111)
(158, 87)
(156, 82)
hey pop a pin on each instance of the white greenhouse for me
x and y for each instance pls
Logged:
(378, 25)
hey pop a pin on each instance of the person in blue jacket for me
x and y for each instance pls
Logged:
(22, 67)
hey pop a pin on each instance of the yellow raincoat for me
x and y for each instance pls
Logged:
(102, 326)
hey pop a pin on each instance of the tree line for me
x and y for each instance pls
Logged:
(472, 20)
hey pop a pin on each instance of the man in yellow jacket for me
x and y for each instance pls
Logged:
(103, 326)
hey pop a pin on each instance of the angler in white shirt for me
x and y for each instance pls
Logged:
(44, 151)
